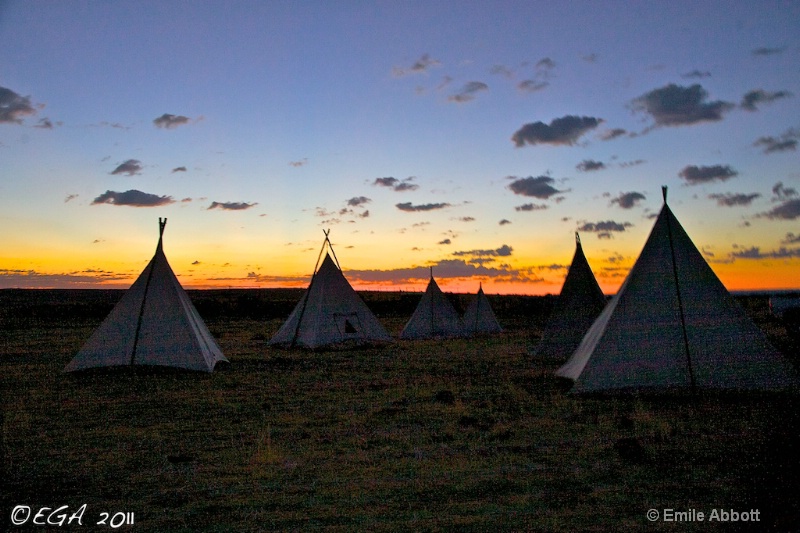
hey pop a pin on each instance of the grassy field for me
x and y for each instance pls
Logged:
(467, 435)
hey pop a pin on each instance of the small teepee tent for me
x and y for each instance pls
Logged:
(330, 312)
(577, 307)
(479, 317)
(154, 323)
(434, 316)
(674, 325)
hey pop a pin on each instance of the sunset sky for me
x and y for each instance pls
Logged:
(474, 137)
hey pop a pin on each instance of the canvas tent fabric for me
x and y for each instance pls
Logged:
(154, 323)
(673, 324)
(433, 317)
(578, 305)
(330, 313)
(479, 318)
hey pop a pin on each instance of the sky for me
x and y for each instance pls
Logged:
(474, 138)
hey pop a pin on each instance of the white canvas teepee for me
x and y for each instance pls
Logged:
(154, 323)
(479, 317)
(434, 316)
(580, 302)
(673, 324)
(330, 313)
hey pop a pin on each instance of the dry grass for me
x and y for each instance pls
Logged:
(459, 434)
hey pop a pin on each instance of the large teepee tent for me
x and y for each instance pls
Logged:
(673, 324)
(434, 316)
(330, 312)
(479, 317)
(154, 323)
(577, 307)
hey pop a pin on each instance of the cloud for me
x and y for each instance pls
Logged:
(731, 199)
(178, 169)
(612, 134)
(504, 251)
(231, 206)
(396, 184)
(546, 64)
(695, 175)
(14, 107)
(791, 238)
(70, 197)
(788, 210)
(443, 269)
(131, 167)
(674, 105)
(787, 141)
(760, 96)
(466, 219)
(764, 51)
(420, 66)
(504, 221)
(532, 86)
(468, 92)
(502, 70)
(628, 200)
(561, 131)
(358, 200)
(782, 192)
(531, 207)
(754, 252)
(539, 187)
(605, 228)
(696, 74)
(132, 198)
(445, 241)
(588, 165)
(45, 124)
(409, 207)
(634, 163)
(299, 163)
(169, 122)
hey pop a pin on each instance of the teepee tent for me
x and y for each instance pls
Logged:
(674, 325)
(434, 316)
(479, 317)
(154, 323)
(577, 307)
(330, 312)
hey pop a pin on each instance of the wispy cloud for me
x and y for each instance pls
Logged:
(178, 169)
(791, 238)
(531, 207)
(675, 105)
(561, 131)
(131, 167)
(783, 192)
(588, 165)
(540, 187)
(503, 251)
(168, 121)
(13, 107)
(604, 229)
(468, 92)
(532, 86)
(70, 197)
(760, 96)
(613, 134)
(788, 210)
(504, 222)
(695, 175)
(754, 252)
(396, 184)
(734, 199)
(409, 207)
(420, 66)
(767, 51)
(299, 163)
(786, 142)
(132, 198)
(358, 201)
(696, 74)
(628, 200)
(231, 206)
